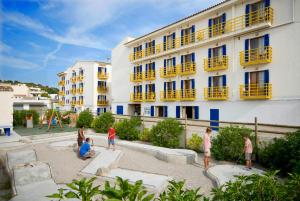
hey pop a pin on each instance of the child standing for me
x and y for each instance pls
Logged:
(111, 137)
(207, 146)
(248, 151)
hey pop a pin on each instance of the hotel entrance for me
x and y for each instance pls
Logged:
(134, 109)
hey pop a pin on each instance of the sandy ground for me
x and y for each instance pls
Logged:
(66, 166)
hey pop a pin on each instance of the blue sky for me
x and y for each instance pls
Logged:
(40, 38)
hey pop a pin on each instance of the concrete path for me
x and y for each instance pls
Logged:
(14, 158)
(154, 181)
(224, 173)
(14, 137)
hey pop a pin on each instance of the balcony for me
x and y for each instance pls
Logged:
(216, 93)
(61, 93)
(102, 102)
(187, 68)
(149, 75)
(256, 56)
(103, 75)
(136, 77)
(136, 97)
(102, 89)
(149, 97)
(151, 51)
(80, 103)
(256, 91)
(216, 63)
(79, 78)
(61, 103)
(136, 55)
(171, 44)
(73, 91)
(169, 95)
(80, 90)
(237, 24)
(61, 83)
(188, 39)
(73, 79)
(187, 95)
(167, 72)
(73, 102)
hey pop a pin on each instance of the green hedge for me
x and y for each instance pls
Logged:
(195, 142)
(229, 144)
(282, 154)
(166, 133)
(102, 123)
(85, 119)
(19, 117)
(128, 129)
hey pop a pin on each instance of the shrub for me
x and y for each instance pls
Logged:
(283, 154)
(102, 123)
(127, 129)
(166, 133)
(195, 142)
(19, 117)
(66, 120)
(145, 135)
(85, 119)
(229, 144)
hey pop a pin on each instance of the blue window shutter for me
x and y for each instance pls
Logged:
(193, 83)
(146, 45)
(174, 61)
(182, 31)
(165, 86)
(223, 22)
(196, 110)
(174, 85)
(166, 111)
(193, 28)
(165, 62)
(246, 78)
(165, 40)
(193, 57)
(210, 27)
(119, 109)
(246, 50)
(141, 88)
(181, 59)
(181, 84)
(209, 52)
(209, 81)
(146, 67)
(224, 80)
(104, 110)
(224, 50)
(99, 83)
(141, 47)
(153, 43)
(267, 3)
(178, 112)
(134, 89)
(153, 87)
(141, 68)
(266, 76)
(267, 40)
(247, 16)
(173, 35)
(152, 111)
(153, 66)
(134, 70)
(134, 50)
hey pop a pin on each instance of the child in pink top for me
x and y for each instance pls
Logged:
(248, 149)
(206, 147)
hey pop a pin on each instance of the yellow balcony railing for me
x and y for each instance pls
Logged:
(149, 75)
(216, 93)
(171, 44)
(168, 95)
(102, 89)
(237, 24)
(73, 102)
(102, 102)
(256, 56)
(188, 39)
(80, 90)
(136, 97)
(167, 72)
(149, 97)
(73, 79)
(216, 63)
(187, 68)
(80, 102)
(61, 93)
(61, 103)
(256, 91)
(73, 91)
(136, 77)
(103, 75)
(187, 94)
(61, 83)
(79, 78)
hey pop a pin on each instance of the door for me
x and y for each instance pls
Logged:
(214, 116)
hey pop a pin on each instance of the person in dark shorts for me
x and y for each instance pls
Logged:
(80, 137)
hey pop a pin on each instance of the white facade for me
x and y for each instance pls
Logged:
(6, 107)
(84, 78)
(279, 103)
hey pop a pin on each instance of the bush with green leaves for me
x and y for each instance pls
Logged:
(19, 117)
(145, 135)
(195, 142)
(66, 120)
(128, 129)
(282, 154)
(85, 119)
(166, 133)
(102, 123)
(229, 144)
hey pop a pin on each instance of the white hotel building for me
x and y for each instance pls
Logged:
(85, 85)
(233, 61)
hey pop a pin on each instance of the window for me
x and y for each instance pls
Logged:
(137, 52)
(150, 88)
(150, 48)
(217, 25)
(188, 35)
(257, 78)
(137, 89)
(169, 62)
(169, 86)
(120, 109)
(81, 72)
(162, 111)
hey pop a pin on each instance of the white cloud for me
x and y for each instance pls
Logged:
(4, 47)
(18, 63)
(51, 54)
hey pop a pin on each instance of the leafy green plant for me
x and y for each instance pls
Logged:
(102, 123)
(85, 119)
(81, 189)
(19, 117)
(195, 142)
(123, 190)
(127, 129)
(176, 192)
(166, 133)
(145, 135)
(66, 120)
(283, 154)
(229, 144)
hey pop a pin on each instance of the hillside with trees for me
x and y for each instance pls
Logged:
(48, 89)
